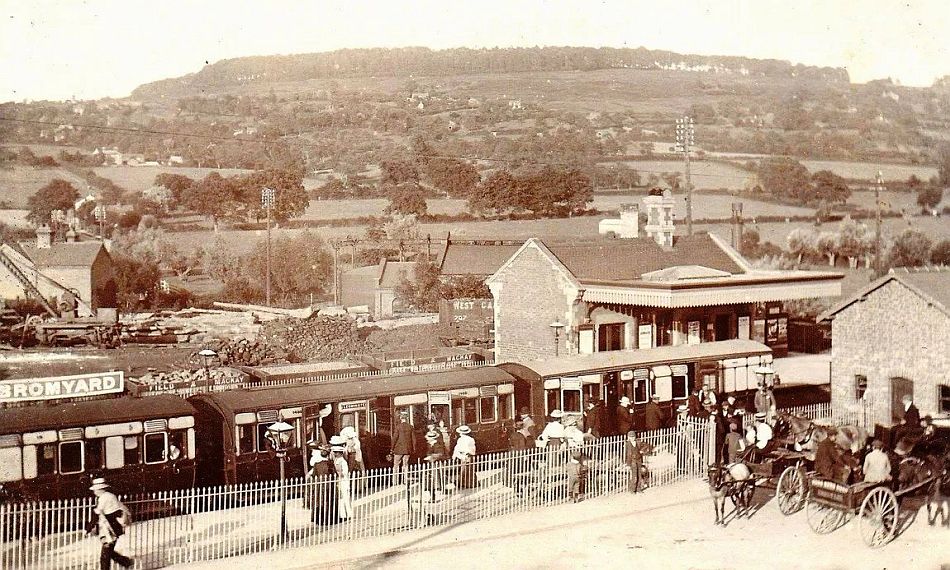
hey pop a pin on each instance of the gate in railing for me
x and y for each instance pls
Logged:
(211, 523)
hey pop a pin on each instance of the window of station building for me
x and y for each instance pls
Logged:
(943, 398)
(46, 459)
(488, 409)
(131, 449)
(71, 459)
(156, 448)
(245, 438)
(860, 386)
(95, 453)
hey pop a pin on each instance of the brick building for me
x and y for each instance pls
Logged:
(890, 339)
(629, 294)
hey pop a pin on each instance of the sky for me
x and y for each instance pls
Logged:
(62, 49)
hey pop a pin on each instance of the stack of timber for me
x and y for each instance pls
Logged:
(188, 325)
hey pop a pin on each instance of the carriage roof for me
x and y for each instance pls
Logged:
(612, 360)
(92, 412)
(235, 401)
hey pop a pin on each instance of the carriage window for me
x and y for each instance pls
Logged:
(471, 410)
(46, 459)
(572, 401)
(552, 401)
(680, 387)
(177, 444)
(70, 457)
(130, 445)
(591, 392)
(506, 408)
(245, 438)
(663, 388)
(487, 409)
(943, 398)
(262, 442)
(440, 413)
(95, 458)
(640, 391)
(860, 386)
(156, 445)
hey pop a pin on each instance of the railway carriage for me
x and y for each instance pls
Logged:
(54, 451)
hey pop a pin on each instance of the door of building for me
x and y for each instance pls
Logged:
(723, 327)
(900, 387)
(610, 337)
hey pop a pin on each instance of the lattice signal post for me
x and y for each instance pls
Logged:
(685, 139)
(267, 202)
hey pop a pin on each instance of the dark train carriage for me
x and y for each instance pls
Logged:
(233, 424)
(137, 444)
(669, 372)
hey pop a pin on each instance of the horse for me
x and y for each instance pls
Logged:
(733, 481)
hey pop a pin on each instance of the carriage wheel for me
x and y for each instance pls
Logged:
(879, 512)
(790, 490)
(821, 518)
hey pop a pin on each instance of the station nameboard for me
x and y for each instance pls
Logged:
(61, 387)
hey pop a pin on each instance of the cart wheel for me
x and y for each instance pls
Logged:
(790, 490)
(879, 513)
(822, 519)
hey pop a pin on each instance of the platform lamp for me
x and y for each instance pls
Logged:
(556, 326)
(278, 434)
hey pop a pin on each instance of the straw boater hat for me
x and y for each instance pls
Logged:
(463, 430)
(632, 434)
(338, 448)
(760, 416)
(348, 431)
(98, 484)
(624, 400)
(682, 408)
(337, 440)
(557, 414)
(570, 420)
(432, 436)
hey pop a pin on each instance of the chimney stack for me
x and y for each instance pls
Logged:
(659, 226)
(44, 237)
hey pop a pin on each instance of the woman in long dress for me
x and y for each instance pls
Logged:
(343, 496)
(323, 509)
(464, 453)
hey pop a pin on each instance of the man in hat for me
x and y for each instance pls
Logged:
(829, 461)
(624, 416)
(403, 447)
(594, 418)
(633, 458)
(112, 518)
(517, 439)
(652, 414)
(759, 433)
(764, 401)
(528, 422)
(910, 422)
(877, 466)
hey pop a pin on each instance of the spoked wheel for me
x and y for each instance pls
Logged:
(821, 518)
(790, 491)
(879, 512)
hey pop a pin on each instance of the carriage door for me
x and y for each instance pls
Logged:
(900, 387)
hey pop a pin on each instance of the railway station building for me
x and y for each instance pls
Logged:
(892, 339)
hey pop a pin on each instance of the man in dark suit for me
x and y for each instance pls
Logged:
(403, 447)
(624, 416)
(633, 458)
(594, 418)
(653, 415)
(911, 413)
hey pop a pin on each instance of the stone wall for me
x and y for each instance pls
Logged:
(893, 333)
(530, 293)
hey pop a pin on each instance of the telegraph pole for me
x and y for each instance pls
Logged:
(877, 233)
(100, 213)
(267, 201)
(685, 132)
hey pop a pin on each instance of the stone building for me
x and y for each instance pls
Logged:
(59, 271)
(375, 286)
(625, 294)
(890, 339)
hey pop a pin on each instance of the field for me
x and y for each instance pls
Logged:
(897, 201)
(340, 209)
(868, 170)
(18, 183)
(704, 174)
(138, 178)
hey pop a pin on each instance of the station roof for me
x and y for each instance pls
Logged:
(617, 359)
(91, 413)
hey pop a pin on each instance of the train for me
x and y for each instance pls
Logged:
(165, 442)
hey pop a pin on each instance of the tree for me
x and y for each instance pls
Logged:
(451, 176)
(943, 165)
(177, 183)
(58, 194)
(940, 254)
(801, 242)
(422, 290)
(910, 249)
(852, 241)
(213, 196)
(136, 281)
(492, 194)
(830, 187)
(407, 199)
(929, 197)
(827, 245)
(396, 172)
(290, 197)
(301, 266)
(786, 178)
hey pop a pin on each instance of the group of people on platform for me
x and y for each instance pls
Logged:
(335, 463)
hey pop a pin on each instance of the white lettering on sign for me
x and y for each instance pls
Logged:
(27, 389)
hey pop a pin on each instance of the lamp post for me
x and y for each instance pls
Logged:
(267, 201)
(207, 357)
(556, 326)
(278, 434)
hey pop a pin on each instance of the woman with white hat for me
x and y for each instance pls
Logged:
(573, 436)
(323, 509)
(553, 435)
(354, 454)
(464, 453)
(112, 518)
(344, 499)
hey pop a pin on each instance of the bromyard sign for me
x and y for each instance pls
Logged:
(61, 387)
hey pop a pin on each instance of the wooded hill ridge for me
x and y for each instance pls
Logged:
(420, 61)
